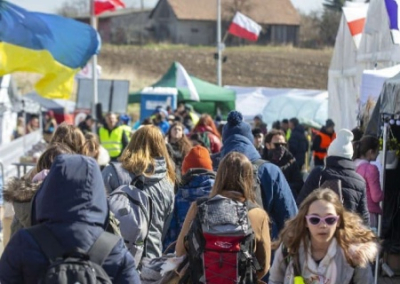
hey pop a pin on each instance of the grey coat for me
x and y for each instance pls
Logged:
(161, 191)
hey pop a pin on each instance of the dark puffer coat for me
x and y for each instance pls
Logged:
(72, 204)
(353, 185)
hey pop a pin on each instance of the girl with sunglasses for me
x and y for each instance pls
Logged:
(324, 243)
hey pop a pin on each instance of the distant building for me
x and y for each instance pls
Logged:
(193, 22)
(125, 26)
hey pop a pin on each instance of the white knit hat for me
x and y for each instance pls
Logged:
(342, 146)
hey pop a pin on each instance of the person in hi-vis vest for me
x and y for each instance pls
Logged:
(113, 136)
(321, 142)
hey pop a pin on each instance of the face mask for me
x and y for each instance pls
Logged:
(276, 154)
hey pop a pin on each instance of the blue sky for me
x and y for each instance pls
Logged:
(50, 6)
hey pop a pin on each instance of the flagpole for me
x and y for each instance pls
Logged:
(219, 44)
(93, 21)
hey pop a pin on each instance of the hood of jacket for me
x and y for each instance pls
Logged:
(340, 162)
(160, 171)
(73, 191)
(241, 144)
(20, 190)
(196, 183)
(362, 254)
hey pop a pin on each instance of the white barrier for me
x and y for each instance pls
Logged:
(11, 152)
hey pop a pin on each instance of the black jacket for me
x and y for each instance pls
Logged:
(353, 185)
(290, 169)
(298, 145)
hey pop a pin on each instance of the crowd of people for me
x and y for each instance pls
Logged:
(208, 188)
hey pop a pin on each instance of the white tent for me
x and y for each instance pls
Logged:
(309, 106)
(279, 103)
(372, 82)
(376, 47)
(343, 77)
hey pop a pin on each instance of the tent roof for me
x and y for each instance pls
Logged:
(390, 96)
(45, 103)
(207, 92)
(388, 103)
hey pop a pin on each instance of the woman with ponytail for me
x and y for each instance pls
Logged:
(365, 151)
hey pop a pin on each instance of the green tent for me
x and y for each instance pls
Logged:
(211, 96)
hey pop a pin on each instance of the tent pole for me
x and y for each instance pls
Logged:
(384, 150)
(219, 45)
(93, 21)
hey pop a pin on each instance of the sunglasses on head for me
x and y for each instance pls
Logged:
(316, 220)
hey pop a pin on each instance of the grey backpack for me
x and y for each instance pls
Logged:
(134, 210)
(73, 265)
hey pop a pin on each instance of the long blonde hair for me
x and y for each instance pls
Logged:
(349, 230)
(146, 144)
(235, 173)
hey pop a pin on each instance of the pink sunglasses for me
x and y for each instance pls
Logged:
(316, 220)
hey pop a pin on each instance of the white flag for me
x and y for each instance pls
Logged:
(183, 80)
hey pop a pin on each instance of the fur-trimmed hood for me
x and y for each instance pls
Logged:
(362, 254)
(20, 190)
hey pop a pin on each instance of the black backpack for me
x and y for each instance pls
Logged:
(257, 182)
(220, 243)
(76, 265)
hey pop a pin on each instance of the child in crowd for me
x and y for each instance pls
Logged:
(324, 243)
(20, 192)
(365, 151)
(197, 181)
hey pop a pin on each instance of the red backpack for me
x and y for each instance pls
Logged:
(220, 243)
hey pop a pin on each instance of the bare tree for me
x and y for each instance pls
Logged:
(74, 8)
(229, 8)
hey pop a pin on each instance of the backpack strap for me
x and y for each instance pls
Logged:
(148, 229)
(47, 242)
(121, 173)
(102, 247)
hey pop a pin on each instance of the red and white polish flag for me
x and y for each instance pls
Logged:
(244, 27)
(101, 6)
(355, 17)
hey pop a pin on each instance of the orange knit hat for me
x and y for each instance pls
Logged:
(197, 158)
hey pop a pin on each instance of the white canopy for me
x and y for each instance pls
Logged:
(310, 106)
(343, 77)
(372, 82)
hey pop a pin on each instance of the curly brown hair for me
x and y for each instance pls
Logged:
(69, 135)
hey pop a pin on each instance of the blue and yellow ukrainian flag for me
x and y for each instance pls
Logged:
(48, 44)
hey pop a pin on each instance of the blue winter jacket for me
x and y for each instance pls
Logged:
(277, 197)
(196, 183)
(72, 204)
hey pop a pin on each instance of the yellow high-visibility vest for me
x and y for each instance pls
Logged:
(128, 131)
(112, 141)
